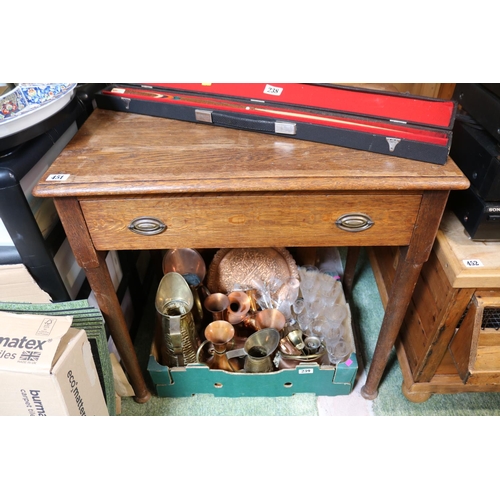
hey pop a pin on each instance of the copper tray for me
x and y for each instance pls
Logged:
(241, 265)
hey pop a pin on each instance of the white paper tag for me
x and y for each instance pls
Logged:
(269, 89)
(473, 263)
(57, 177)
(118, 91)
(302, 371)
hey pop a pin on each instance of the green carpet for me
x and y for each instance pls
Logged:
(390, 401)
(204, 405)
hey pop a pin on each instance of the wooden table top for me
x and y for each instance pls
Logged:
(117, 153)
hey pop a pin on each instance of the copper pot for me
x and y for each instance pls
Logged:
(291, 361)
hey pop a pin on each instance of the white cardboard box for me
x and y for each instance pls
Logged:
(47, 368)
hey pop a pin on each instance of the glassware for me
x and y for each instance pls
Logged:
(307, 275)
(262, 296)
(334, 294)
(298, 306)
(327, 283)
(320, 328)
(336, 314)
(338, 351)
(316, 307)
(304, 320)
(335, 333)
(289, 291)
(285, 308)
(274, 285)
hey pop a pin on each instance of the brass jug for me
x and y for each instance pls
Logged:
(189, 263)
(258, 350)
(178, 339)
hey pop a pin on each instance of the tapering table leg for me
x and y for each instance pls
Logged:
(96, 270)
(407, 273)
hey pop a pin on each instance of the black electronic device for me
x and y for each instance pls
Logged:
(481, 101)
(477, 154)
(480, 218)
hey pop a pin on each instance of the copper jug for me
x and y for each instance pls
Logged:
(220, 334)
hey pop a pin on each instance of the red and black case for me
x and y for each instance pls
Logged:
(402, 125)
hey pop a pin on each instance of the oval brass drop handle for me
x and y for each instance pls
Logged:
(147, 226)
(354, 222)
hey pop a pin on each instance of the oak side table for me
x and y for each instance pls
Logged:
(133, 182)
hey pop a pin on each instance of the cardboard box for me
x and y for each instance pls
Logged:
(324, 380)
(47, 368)
(310, 377)
(17, 285)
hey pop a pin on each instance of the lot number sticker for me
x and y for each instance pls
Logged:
(302, 371)
(473, 263)
(57, 177)
(269, 89)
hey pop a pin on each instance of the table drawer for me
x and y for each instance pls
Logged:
(251, 220)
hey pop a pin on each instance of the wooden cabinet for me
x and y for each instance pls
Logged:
(436, 90)
(450, 338)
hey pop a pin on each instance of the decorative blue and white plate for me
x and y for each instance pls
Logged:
(30, 103)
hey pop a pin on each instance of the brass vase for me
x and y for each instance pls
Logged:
(216, 304)
(177, 332)
(189, 263)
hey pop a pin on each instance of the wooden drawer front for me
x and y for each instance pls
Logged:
(209, 221)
